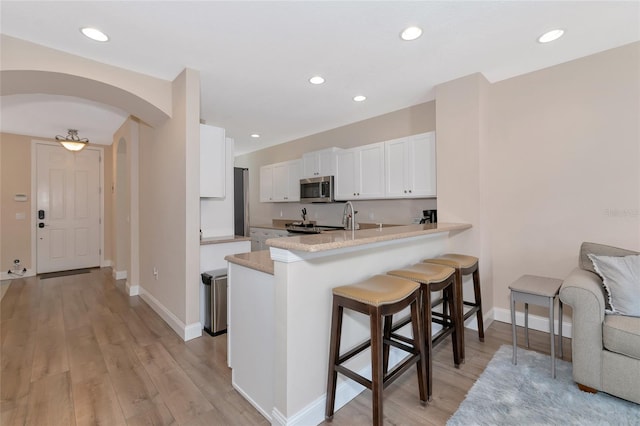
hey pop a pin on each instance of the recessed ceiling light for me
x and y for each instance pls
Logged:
(94, 34)
(550, 36)
(255, 135)
(411, 33)
(359, 98)
(316, 80)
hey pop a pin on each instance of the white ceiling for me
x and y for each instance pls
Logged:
(255, 58)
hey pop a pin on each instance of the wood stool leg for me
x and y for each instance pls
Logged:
(334, 355)
(458, 312)
(478, 296)
(455, 341)
(418, 343)
(388, 322)
(428, 346)
(377, 376)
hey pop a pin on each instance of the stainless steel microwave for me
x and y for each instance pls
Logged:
(316, 190)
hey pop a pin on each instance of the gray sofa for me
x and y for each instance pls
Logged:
(605, 348)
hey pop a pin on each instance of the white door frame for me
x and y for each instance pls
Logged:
(34, 189)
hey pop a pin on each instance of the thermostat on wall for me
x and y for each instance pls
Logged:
(20, 197)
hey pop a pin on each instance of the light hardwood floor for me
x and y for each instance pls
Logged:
(77, 350)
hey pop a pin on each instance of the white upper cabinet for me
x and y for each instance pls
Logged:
(266, 184)
(319, 163)
(410, 167)
(360, 173)
(280, 182)
(212, 162)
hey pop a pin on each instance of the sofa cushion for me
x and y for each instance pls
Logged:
(621, 334)
(621, 279)
(600, 250)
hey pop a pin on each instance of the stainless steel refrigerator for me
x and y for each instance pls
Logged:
(241, 201)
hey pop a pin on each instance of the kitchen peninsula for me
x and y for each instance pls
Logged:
(279, 322)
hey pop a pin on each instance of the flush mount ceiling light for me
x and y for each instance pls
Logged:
(359, 98)
(411, 33)
(550, 36)
(255, 135)
(72, 142)
(94, 34)
(316, 80)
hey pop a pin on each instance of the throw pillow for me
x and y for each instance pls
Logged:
(621, 279)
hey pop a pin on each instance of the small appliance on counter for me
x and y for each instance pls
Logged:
(429, 216)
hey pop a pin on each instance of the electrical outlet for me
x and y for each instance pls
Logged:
(155, 273)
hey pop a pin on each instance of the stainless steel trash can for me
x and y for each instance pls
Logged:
(215, 291)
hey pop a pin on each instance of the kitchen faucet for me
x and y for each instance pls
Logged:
(349, 220)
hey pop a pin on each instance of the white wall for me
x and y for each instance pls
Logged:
(461, 112)
(169, 209)
(564, 165)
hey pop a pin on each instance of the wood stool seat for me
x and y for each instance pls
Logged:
(379, 297)
(434, 278)
(464, 265)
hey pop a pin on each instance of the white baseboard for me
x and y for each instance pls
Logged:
(186, 332)
(5, 275)
(251, 401)
(118, 275)
(346, 390)
(536, 322)
(132, 290)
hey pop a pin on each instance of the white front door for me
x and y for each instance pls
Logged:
(67, 208)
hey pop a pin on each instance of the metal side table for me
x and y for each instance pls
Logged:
(540, 291)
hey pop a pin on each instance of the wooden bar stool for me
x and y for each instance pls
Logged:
(434, 278)
(464, 265)
(380, 297)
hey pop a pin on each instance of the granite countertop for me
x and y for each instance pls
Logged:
(221, 240)
(258, 260)
(279, 227)
(339, 239)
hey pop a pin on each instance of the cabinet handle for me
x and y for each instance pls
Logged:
(405, 191)
(409, 191)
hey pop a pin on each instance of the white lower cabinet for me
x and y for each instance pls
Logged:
(260, 235)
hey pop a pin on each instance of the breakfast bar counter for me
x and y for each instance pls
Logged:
(280, 324)
(258, 260)
(331, 240)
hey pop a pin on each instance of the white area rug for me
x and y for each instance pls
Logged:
(525, 394)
